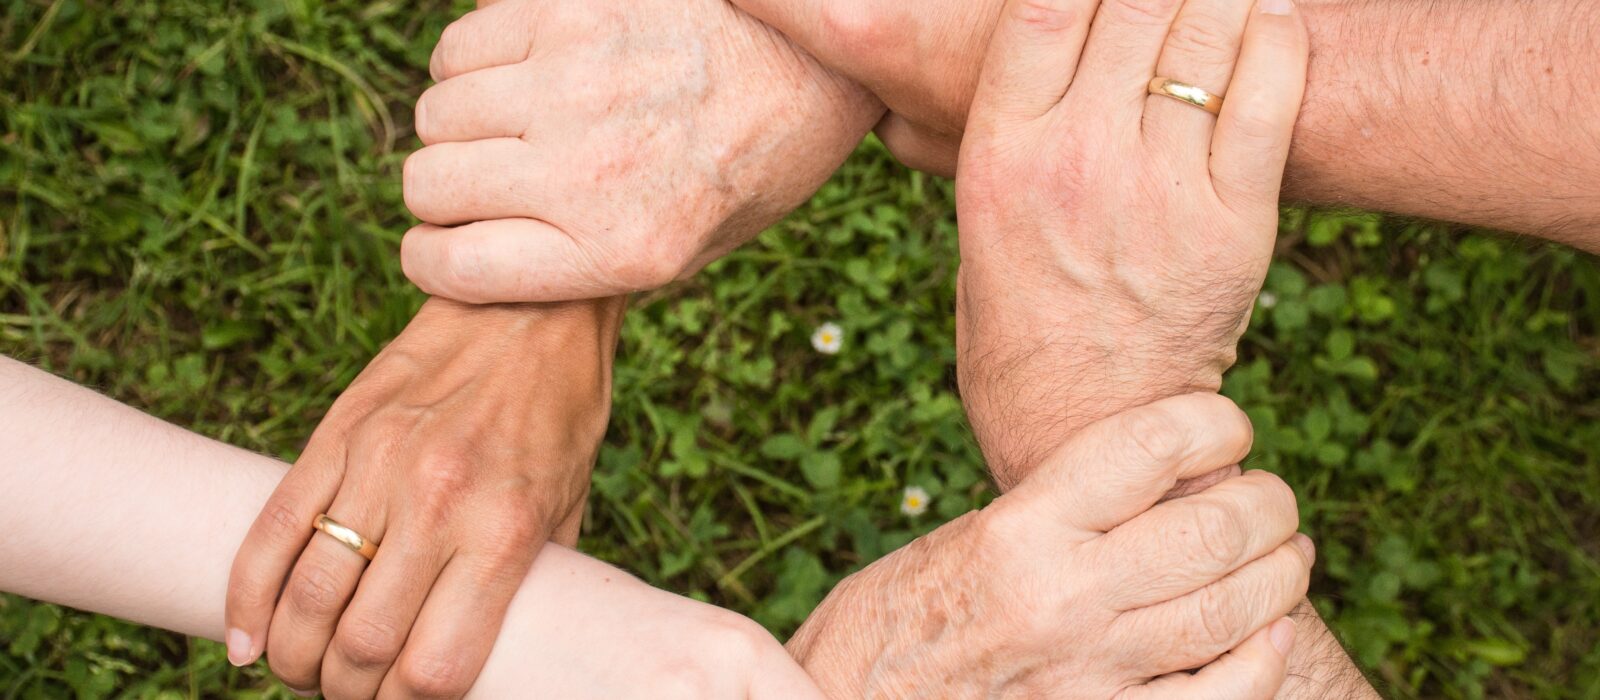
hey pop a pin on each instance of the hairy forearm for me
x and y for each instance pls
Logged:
(107, 509)
(1472, 111)
(1458, 110)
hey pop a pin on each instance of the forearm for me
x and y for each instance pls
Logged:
(1457, 110)
(110, 510)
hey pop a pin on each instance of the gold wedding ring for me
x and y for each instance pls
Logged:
(1186, 93)
(346, 536)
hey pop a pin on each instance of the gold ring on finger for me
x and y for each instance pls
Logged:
(346, 536)
(1186, 93)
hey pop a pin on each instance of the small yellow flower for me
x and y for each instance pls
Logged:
(1267, 300)
(828, 338)
(915, 501)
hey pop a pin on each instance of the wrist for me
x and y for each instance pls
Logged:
(1032, 374)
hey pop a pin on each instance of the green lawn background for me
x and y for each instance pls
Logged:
(199, 215)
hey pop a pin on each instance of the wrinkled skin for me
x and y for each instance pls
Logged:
(582, 149)
(461, 449)
(1104, 233)
(1113, 242)
(1068, 587)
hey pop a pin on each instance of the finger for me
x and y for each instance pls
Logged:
(374, 627)
(317, 591)
(1251, 145)
(1193, 630)
(511, 260)
(919, 148)
(1200, 50)
(457, 627)
(1182, 545)
(495, 102)
(1254, 670)
(1120, 56)
(1033, 55)
(1118, 467)
(275, 540)
(497, 178)
(500, 34)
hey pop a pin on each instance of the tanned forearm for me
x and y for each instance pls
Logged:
(1471, 111)
(1458, 110)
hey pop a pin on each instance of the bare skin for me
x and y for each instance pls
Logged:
(110, 510)
(107, 509)
(1378, 67)
(473, 415)
(1455, 110)
(639, 136)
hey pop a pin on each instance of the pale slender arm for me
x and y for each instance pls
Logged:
(107, 509)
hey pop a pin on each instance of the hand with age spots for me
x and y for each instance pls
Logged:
(1076, 584)
(582, 149)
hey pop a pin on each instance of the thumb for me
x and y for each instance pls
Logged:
(1032, 57)
(1120, 466)
(503, 260)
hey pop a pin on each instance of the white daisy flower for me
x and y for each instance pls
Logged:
(915, 501)
(828, 338)
(1267, 300)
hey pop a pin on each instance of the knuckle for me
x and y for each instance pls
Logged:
(1276, 492)
(1265, 499)
(434, 675)
(282, 522)
(315, 590)
(368, 643)
(1216, 528)
(1144, 12)
(1259, 121)
(445, 469)
(874, 39)
(252, 593)
(461, 261)
(293, 674)
(1205, 39)
(423, 122)
(414, 174)
(1213, 626)
(1153, 434)
(443, 61)
(1049, 16)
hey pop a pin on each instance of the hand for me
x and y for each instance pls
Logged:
(1072, 585)
(1113, 242)
(583, 149)
(464, 445)
(921, 59)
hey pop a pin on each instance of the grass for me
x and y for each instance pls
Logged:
(199, 214)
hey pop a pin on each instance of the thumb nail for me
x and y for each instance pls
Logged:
(241, 651)
(1282, 635)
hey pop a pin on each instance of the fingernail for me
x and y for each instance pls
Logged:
(1282, 635)
(241, 651)
(1276, 7)
(303, 693)
(1306, 546)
